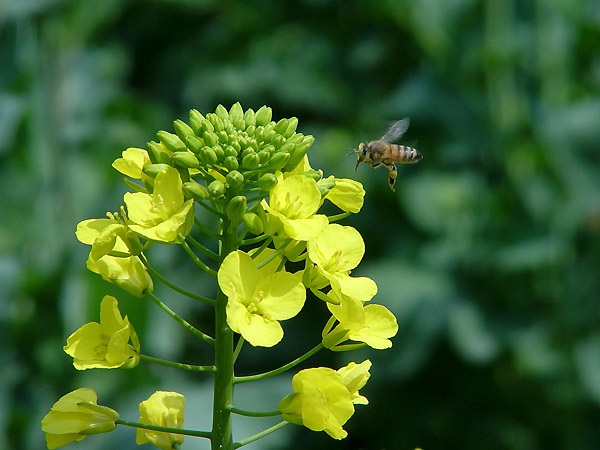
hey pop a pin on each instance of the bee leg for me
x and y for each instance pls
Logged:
(392, 175)
(375, 165)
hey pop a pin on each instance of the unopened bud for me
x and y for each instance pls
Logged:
(291, 128)
(234, 179)
(182, 129)
(251, 161)
(210, 138)
(154, 169)
(222, 113)
(236, 208)
(281, 126)
(231, 162)
(216, 188)
(157, 153)
(267, 182)
(171, 141)
(249, 120)
(208, 156)
(278, 160)
(186, 159)
(253, 223)
(194, 144)
(191, 189)
(298, 153)
(196, 122)
(263, 115)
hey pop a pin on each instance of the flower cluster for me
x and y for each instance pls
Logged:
(273, 246)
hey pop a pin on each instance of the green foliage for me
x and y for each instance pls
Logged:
(487, 253)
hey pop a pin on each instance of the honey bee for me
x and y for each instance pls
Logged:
(383, 152)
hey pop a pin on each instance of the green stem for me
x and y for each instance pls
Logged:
(181, 366)
(196, 433)
(254, 240)
(282, 369)
(347, 347)
(212, 210)
(322, 296)
(238, 348)
(243, 412)
(222, 438)
(208, 252)
(260, 249)
(199, 334)
(274, 255)
(206, 231)
(154, 273)
(257, 436)
(338, 217)
(197, 260)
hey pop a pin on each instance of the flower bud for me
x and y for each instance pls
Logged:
(251, 161)
(230, 151)
(281, 126)
(186, 159)
(208, 156)
(267, 182)
(291, 128)
(295, 139)
(231, 162)
(219, 152)
(250, 130)
(253, 223)
(236, 112)
(264, 156)
(207, 125)
(263, 115)
(154, 169)
(216, 188)
(182, 129)
(234, 179)
(222, 113)
(210, 138)
(277, 140)
(278, 160)
(236, 208)
(196, 120)
(249, 120)
(298, 153)
(194, 190)
(157, 153)
(288, 147)
(223, 137)
(325, 185)
(315, 175)
(194, 144)
(216, 121)
(269, 148)
(171, 141)
(259, 134)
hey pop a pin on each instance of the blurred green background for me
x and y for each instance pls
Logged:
(488, 252)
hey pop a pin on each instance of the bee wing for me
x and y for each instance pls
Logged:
(396, 130)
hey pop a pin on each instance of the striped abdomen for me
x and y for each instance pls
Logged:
(404, 154)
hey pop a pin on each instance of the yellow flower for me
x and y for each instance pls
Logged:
(335, 252)
(355, 376)
(164, 409)
(74, 416)
(371, 324)
(163, 215)
(258, 299)
(127, 273)
(292, 207)
(105, 344)
(348, 195)
(321, 402)
(132, 163)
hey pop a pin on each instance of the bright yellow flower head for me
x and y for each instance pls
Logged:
(162, 215)
(104, 235)
(292, 206)
(336, 251)
(105, 344)
(355, 376)
(132, 163)
(321, 402)
(371, 324)
(258, 299)
(348, 195)
(127, 273)
(74, 416)
(164, 409)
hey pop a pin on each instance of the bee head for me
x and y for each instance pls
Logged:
(361, 154)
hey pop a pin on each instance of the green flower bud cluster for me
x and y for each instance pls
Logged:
(227, 149)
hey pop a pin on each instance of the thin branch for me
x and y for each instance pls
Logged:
(197, 260)
(154, 273)
(199, 334)
(257, 436)
(196, 433)
(176, 365)
(274, 255)
(282, 369)
(208, 252)
(205, 230)
(338, 217)
(243, 412)
(254, 240)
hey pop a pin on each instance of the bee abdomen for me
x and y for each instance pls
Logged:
(404, 154)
